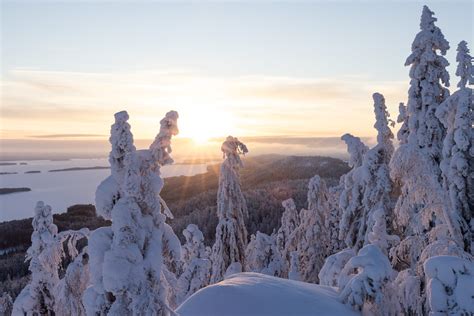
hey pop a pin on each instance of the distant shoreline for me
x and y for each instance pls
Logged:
(4, 191)
(79, 169)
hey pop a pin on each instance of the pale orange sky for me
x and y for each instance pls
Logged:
(304, 69)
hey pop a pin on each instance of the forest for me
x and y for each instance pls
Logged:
(391, 234)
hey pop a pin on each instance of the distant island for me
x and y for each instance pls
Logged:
(13, 190)
(7, 163)
(4, 173)
(79, 169)
(33, 171)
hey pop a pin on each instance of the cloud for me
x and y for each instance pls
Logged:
(36, 102)
(67, 136)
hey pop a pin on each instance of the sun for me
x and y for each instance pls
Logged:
(202, 126)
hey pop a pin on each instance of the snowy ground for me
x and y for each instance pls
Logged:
(258, 294)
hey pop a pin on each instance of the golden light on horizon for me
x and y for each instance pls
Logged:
(204, 124)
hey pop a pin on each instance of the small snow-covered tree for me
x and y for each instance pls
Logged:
(293, 273)
(6, 304)
(402, 134)
(45, 255)
(286, 239)
(379, 236)
(450, 285)
(262, 255)
(131, 260)
(367, 189)
(366, 289)
(70, 289)
(313, 235)
(456, 114)
(196, 264)
(231, 234)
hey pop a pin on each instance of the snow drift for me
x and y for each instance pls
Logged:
(258, 294)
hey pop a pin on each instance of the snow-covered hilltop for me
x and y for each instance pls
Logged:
(395, 236)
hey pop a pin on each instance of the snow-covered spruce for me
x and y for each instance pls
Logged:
(450, 285)
(367, 188)
(286, 239)
(196, 264)
(313, 235)
(423, 204)
(70, 289)
(45, 255)
(428, 74)
(457, 165)
(131, 261)
(262, 255)
(231, 234)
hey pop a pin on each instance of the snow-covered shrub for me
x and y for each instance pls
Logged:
(293, 273)
(196, 264)
(333, 266)
(456, 114)
(133, 262)
(407, 292)
(262, 255)
(71, 288)
(450, 285)
(231, 234)
(379, 236)
(365, 289)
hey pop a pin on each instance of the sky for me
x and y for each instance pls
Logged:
(250, 69)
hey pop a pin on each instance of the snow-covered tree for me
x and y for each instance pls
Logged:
(366, 289)
(262, 255)
(414, 167)
(45, 255)
(379, 236)
(6, 304)
(70, 289)
(196, 264)
(286, 239)
(428, 74)
(131, 260)
(231, 234)
(333, 266)
(456, 114)
(367, 189)
(450, 285)
(402, 134)
(313, 235)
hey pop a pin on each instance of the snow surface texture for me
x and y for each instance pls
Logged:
(231, 233)
(253, 294)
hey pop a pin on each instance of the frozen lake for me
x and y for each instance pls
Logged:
(61, 189)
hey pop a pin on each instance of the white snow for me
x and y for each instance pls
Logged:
(253, 294)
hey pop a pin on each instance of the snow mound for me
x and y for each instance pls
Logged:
(258, 294)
